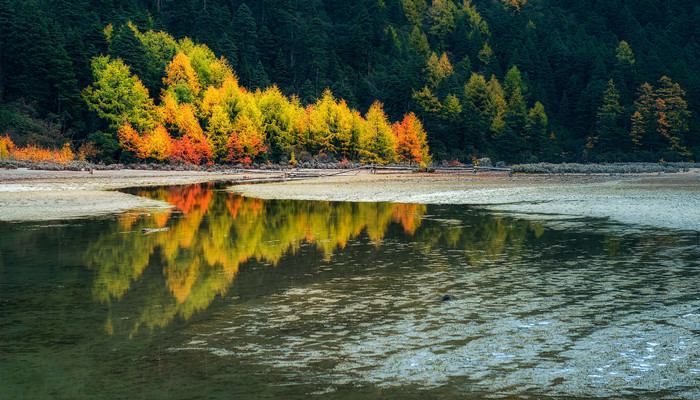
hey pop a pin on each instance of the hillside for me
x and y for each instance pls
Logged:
(515, 80)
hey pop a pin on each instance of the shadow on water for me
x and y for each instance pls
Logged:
(225, 295)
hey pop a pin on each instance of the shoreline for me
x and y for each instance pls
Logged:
(47, 195)
(669, 201)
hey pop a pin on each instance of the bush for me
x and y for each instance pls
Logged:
(6, 147)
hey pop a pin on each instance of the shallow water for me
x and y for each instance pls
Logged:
(227, 297)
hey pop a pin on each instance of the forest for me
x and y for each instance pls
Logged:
(230, 81)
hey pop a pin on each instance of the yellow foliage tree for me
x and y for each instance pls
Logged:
(181, 79)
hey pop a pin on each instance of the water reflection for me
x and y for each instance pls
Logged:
(249, 298)
(211, 234)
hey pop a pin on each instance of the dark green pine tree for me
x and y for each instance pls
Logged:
(246, 35)
(308, 94)
(317, 49)
(280, 73)
(267, 46)
(26, 52)
(262, 81)
(62, 79)
(6, 20)
(125, 45)
(79, 56)
(228, 49)
(611, 136)
(177, 15)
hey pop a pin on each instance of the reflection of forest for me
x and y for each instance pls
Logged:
(200, 253)
(212, 233)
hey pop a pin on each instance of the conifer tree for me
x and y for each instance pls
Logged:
(610, 134)
(118, 96)
(377, 144)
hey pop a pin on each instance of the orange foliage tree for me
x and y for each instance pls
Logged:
(411, 142)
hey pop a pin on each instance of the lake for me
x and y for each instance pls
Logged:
(228, 297)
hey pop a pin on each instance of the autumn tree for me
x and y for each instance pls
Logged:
(246, 141)
(660, 118)
(278, 115)
(438, 69)
(205, 116)
(411, 143)
(672, 115)
(377, 143)
(118, 96)
(643, 125)
(181, 79)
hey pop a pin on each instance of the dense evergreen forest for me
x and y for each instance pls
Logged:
(514, 80)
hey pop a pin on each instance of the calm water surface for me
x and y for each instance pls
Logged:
(229, 297)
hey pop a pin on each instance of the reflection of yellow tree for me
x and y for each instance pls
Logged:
(213, 234)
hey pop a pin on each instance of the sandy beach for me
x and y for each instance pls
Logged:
(654, 200)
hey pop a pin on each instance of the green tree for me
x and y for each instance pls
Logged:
(476, 104)
(610, 134)
(438, 69)
(624, 54)
(118, 96)
(440, 20)
(377, 144)
(418, 43)
(536, 131)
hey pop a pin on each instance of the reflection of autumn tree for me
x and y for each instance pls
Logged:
(212, 234)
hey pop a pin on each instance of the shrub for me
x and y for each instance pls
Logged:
(6, 147)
